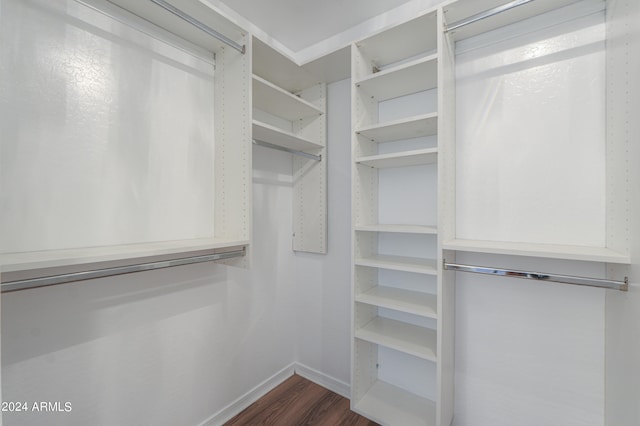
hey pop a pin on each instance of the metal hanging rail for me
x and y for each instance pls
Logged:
(486, 14)
(119, 270)
(538, 276)
(289, 150)
(193, 21)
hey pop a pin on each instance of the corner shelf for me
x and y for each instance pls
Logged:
(411, 77)
(401, 336)
(401, 159)
(399, 229)
(412, 302)
(388, 404)
(405, 128)
(276, 101)
(550, 251)
(268, 133)
(400, 263)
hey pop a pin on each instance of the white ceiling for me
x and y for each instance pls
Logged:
(298, 24)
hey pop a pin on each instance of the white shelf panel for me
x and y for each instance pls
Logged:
(276, 101)
(406, 128)
(399, 229)
(401, 159)
(551, 251)
(14, 262)
(412, 302)
(461, 10)
(411, 77)
(403, 41)
(273, 135)
(401, 336)
(390, 405)
(400, 263)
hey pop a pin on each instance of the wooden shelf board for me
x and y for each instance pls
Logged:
(401, 159)
(405, 128)
(551, 251)
(400, 263)
(411, 77)
(13, 262)
(391, 405)
(408, 338)
(277, 101)
(399, 229)
(412, 302)
(273, 135)
(403, 41)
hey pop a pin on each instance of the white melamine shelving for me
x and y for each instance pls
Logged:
(400, 159)
(390, 405)
(411, 77)
(401, 336)
(277, 101)
(289, 111)
(273, 135)
(397, 65)
(412, 302)
(404, 128)
(550, 251)
(399, 263)
(399, 229)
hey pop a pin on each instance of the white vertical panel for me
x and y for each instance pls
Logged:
(623, 132)
(107, 131)
(531, 136)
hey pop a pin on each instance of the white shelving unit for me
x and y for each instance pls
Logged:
(399, 308)
(289, 111)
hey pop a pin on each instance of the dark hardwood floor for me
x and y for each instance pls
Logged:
(297, 401)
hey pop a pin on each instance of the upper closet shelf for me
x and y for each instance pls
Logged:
(410, 77)
(551, 251)
(400, 159)
(400, 263)
(400, 229)
(404, 128)
(273, 135)
(14, 262)
(274, 100)
(401, 41)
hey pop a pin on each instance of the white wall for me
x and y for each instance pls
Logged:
(323, 286)
(166, 347)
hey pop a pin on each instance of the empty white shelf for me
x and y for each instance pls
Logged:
(401, 159)
(401, 336)
(274, 100)
(411, 77)
(273, 135)
(399, 263)
(551, 251)
(13, 262)
(404, 128)
(399, 229)
(391, 405)
(404, 41)
(412, 302)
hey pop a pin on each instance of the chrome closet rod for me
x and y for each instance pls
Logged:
(539, 276)
(486, 14)
(118, 270)
(193, 21)
(289, 150)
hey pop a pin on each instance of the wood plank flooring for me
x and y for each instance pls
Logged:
(297, 401)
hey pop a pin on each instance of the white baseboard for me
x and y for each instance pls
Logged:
(231, 410)
(324, 380)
